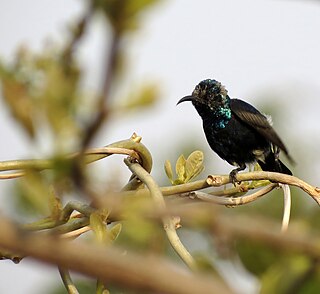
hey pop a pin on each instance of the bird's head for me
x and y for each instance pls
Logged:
(209, 95)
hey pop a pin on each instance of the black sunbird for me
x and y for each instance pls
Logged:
(237, 131)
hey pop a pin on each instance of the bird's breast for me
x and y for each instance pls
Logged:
(234, 141)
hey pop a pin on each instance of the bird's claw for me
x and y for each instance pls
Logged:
(233, 177)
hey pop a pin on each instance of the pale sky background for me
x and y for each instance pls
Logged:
(256, 48)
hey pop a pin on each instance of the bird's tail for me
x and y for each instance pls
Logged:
(274, 164)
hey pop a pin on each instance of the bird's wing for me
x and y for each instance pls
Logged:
(251, 116)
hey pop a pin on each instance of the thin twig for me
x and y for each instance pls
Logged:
(67, 281)
(130, 147)
(231, 201)
(113, 150)
(77, 33)
(76, 233)
(286, 207)
(168, 222)
(102, 106)
(12, 176)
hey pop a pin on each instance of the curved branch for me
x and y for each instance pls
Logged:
(131, 147)
(76, 233)
(168, 222)
(67, 281)
(10, 176)
(135, 149)
(221, 180)
(314, 192)
(231, 201)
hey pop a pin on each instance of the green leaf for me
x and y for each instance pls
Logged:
(181, 168)
(136, 6)
(145, 96)
(284, 276)
(256, 257)
(41, 90)
(178, 182)
(124, 14)
(140, 233)
(99, 227)
(194, 165)
(115, 231)
(16, 95)
(257, 167)
(55, 204)
(168, 170)
(35, 192)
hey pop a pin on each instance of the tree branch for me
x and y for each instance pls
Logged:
(230, 201)
(67, 281)
(141, 272)
(314, 192)
(169, 223)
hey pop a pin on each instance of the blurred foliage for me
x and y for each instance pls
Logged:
(104, 234)
(39, 89)
(36, 194)
(291, 274)
(256, 257)
(124, 14)
(44, 95)
(144, 96)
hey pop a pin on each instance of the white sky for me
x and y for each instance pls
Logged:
(254, 47)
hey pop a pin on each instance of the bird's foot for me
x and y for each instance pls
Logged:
(233, 175)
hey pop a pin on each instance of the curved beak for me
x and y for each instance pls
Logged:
(186, 98)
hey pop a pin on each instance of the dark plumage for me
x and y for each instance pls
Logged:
(236, 130)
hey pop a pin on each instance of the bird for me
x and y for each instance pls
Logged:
(236, 130)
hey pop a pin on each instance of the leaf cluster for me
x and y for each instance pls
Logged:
(186, 169)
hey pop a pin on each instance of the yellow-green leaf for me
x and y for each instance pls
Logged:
(194, 165)
(181, 168)
(55, 204)
(178, 182)
(143, 97)
(17, 98)
(282, 276)
(136, 6)
(115, 231)
(257, 167)
(34, 190)
(124, 15)
(99, 227)
(168, 170)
